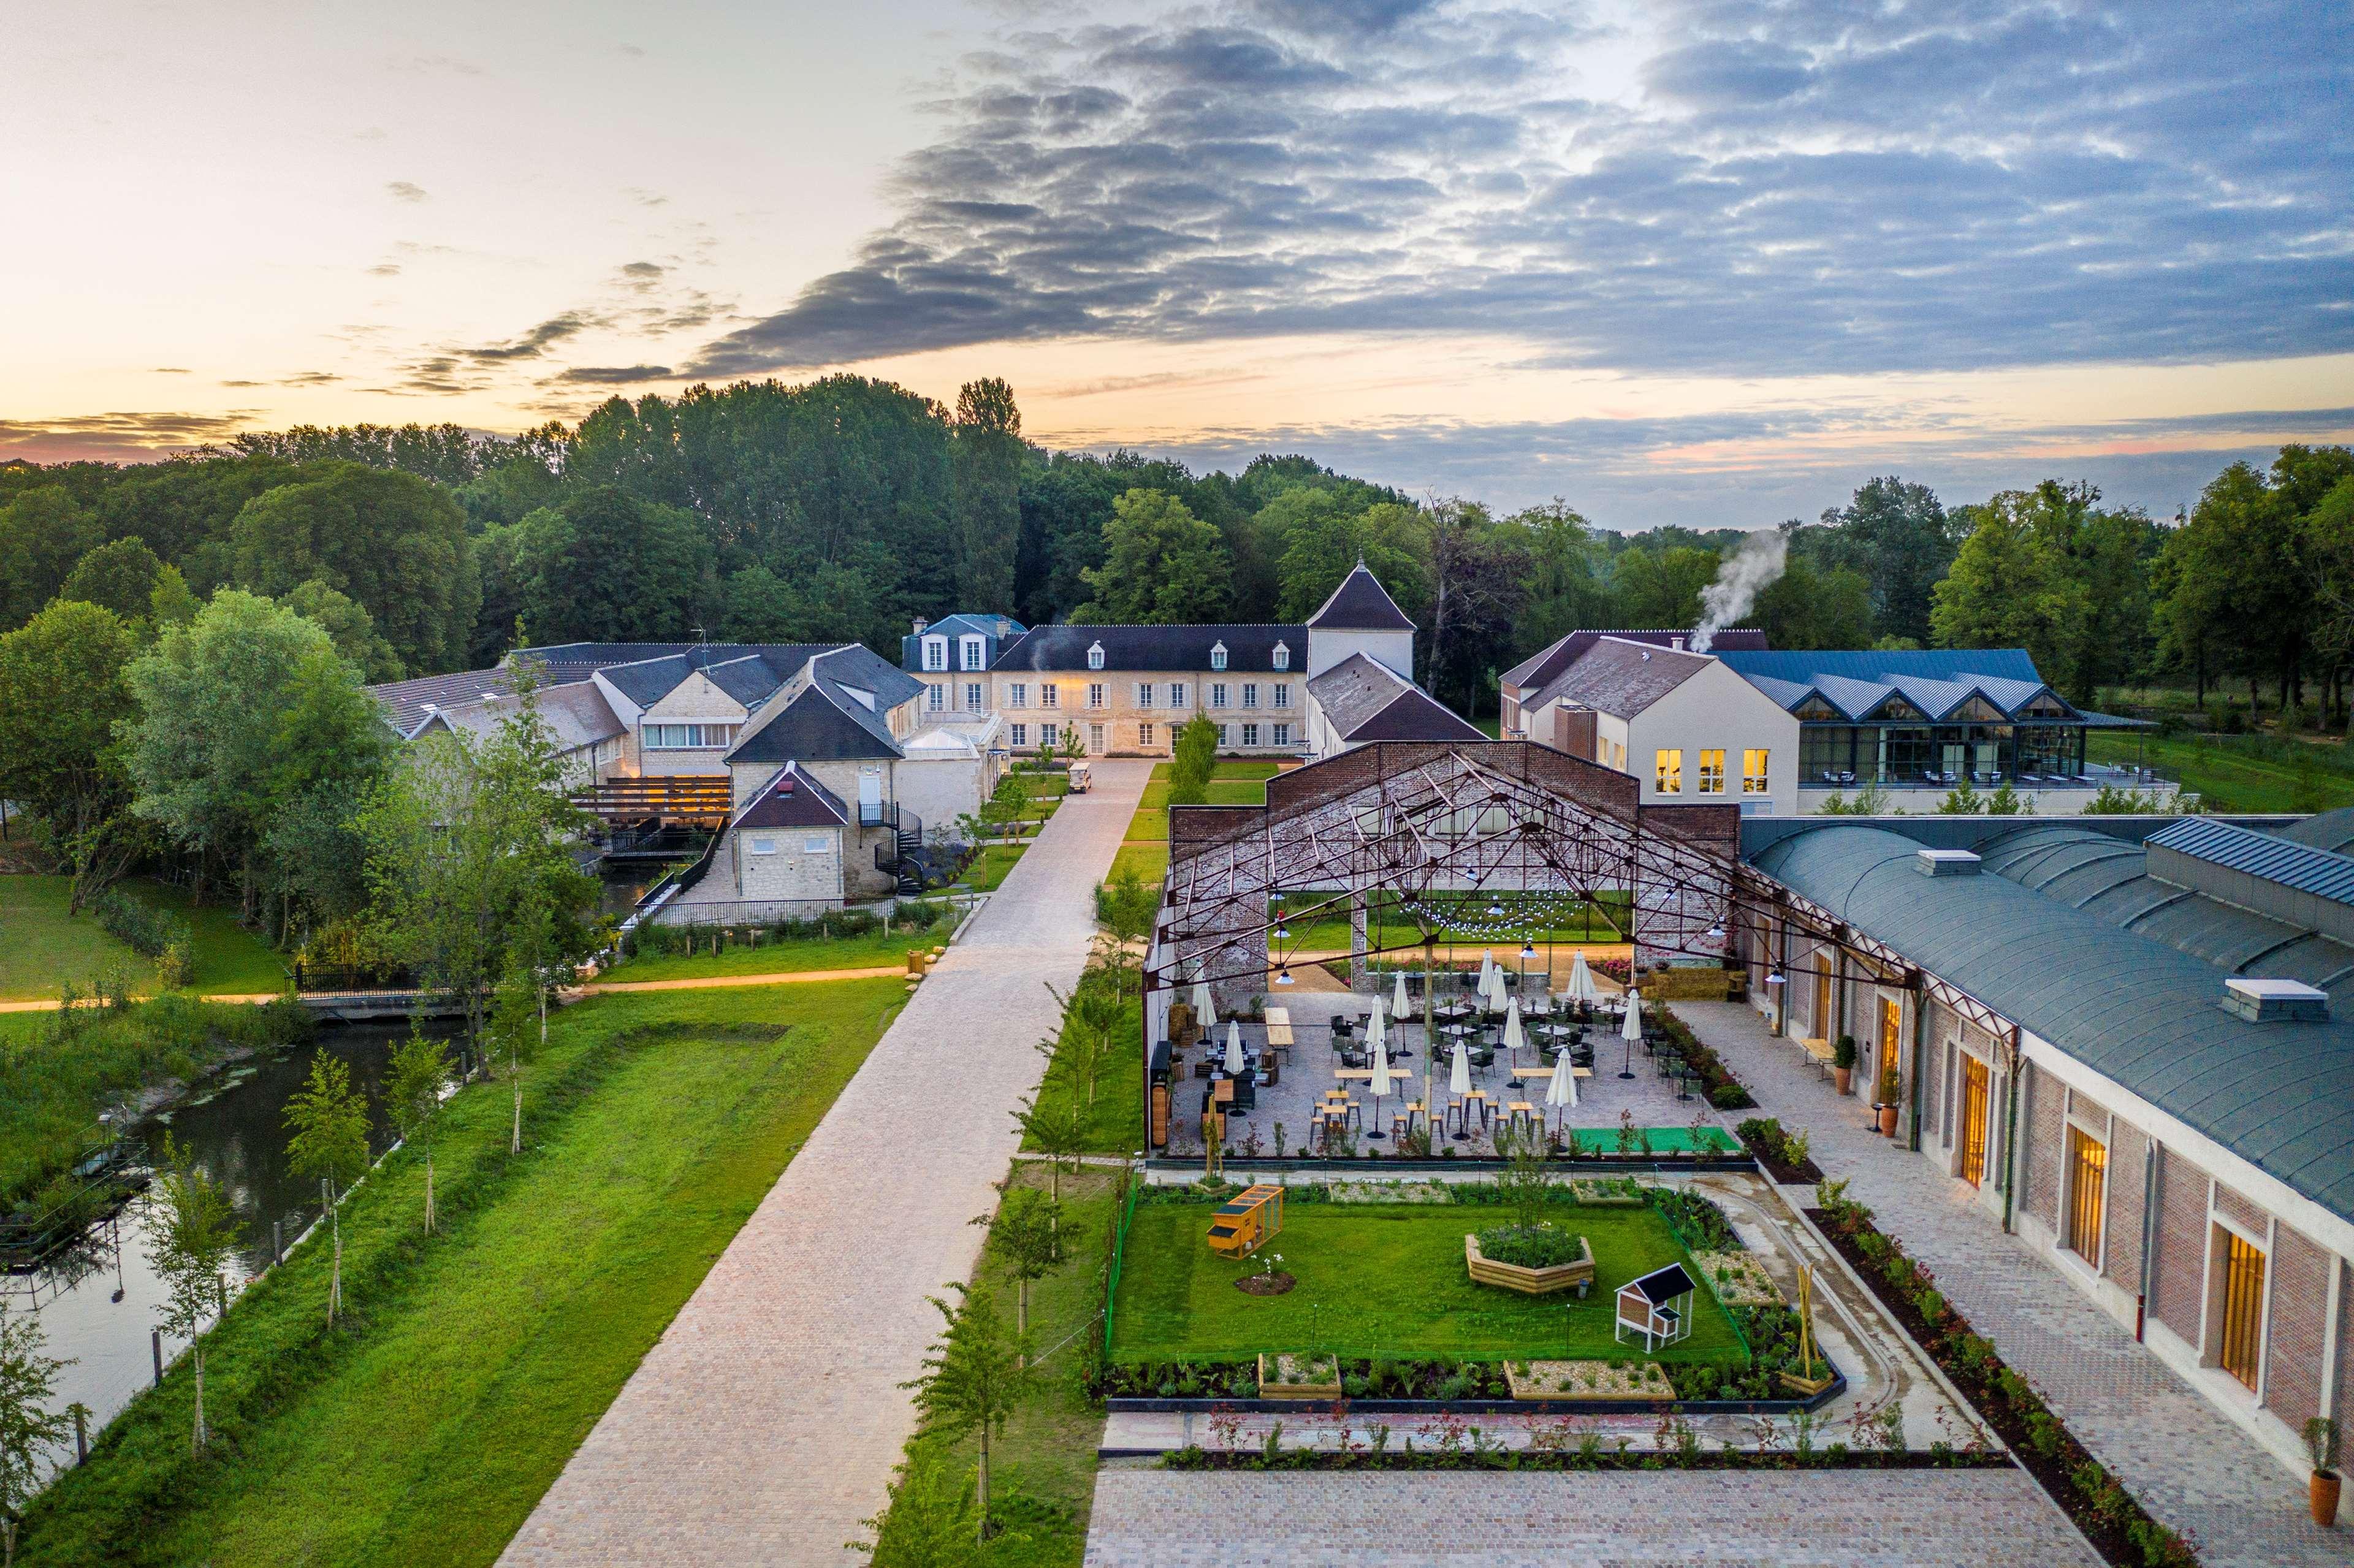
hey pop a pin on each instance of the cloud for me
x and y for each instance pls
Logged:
(127, 437)
(171, 370)
(385, 269)
(1799, 187)
(536, 342)
(401, 190)
(613, 375)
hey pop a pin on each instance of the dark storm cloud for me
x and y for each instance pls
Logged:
(1800, 186)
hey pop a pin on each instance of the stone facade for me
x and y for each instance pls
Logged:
(1260, 711)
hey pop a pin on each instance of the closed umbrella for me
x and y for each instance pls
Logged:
(1233, 1049)
(1205, 1011)
(1631, 1030)
(1399, 1003)
(1563, 1092)
(1458, 1084)
(1513, 1039)
(1581, 979)
(1380, 1079)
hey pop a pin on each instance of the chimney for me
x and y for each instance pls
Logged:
(1676, 644)
(920, 624)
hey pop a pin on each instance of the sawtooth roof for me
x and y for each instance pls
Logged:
(2142, 1012)
(1359, 604)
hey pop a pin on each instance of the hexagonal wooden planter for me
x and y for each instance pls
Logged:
(1484, 1270)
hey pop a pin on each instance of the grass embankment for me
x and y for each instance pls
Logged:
(57, 1072)
(42, 947)
(1385, 1280)
(992, 865)
(869, 949)
(1042, 1465)
(2242, 772)
(471, 1364)
(1146, 847)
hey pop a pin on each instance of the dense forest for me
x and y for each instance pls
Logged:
(843, 508)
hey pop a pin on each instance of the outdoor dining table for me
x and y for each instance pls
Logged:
(1548, 1072)
(1279, 1028)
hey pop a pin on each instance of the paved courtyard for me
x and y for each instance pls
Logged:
(1858, 1519)
(2188, 1464)
(763, 1427)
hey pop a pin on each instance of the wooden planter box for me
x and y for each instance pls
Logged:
(1645, 1382)
(1269, 1388)
(1578, 1276)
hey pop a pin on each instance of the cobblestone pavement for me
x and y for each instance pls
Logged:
(764, 1425)
(2185, 1460)
(1957, 1518)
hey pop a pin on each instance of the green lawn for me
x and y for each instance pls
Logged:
(989, 867)
(1148, 824)
(2236, 773)
(472, 1363)
(1384, 1280)
(1226, 767)
(1149, 861)
(42, 947)
(871, 950)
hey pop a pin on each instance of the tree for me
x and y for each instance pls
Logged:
(418, 1074)
(2233, 592)
(1193, 756)
(518, 1022)
(2010, 588)
(349, 626)
(1054, 1129)
(1805, 607)
(43, 533)
(988, 459)
(391, 542)
(328, 1123)
(123, 576)
(196, 1230)
(604, 565)
(974, 1376)
(1659, 588)
(204, 748)
(1027, 1237)
(28, 1429)
(1162, 566)
(1900, 540)
(1565, 586)
(59, 759)
(468, 864)
(1479, 570)
(1320, 552)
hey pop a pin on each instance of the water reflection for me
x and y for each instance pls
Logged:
(98, 1301)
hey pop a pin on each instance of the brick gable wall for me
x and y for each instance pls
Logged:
(2177, 1293)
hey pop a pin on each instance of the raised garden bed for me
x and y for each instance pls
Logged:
(1298, 1376)
(1579, 1381)
(1789, 1165)
(1577, 1275)
(1738, 1279)
(1459, 1446)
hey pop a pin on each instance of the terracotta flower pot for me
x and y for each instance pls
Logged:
(1888, 1121)
(1842, 1078)
(2321, 1491)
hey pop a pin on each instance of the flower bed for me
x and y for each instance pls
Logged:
(1589, 1379)
(1785, 1157)
(1620, 1192)
(1541, 1246)
(1738, 1279)
(1569, 1262)
(1302, 1375)
(1724, 1091)
(2116, 1525)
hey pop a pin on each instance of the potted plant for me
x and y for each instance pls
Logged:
(1844, 1063)
(2321, 1442)
(1886, 1107)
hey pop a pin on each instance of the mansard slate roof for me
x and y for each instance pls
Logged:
(409, 703)
(1620, 678)
(1361, 604)
(575, 712)
(821, 723)
(2142, 1012)
(1558, 655)
(1179, 649)
(1363, 700)
(578, 660)
(998, 628)
(794, 800)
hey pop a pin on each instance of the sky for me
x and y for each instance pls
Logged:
(1712, 262)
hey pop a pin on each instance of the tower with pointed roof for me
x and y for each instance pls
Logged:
(1361, 618)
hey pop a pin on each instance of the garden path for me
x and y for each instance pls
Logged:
(763, 1427)
(2186, 1462)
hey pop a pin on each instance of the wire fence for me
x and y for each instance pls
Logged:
(1119, 1252)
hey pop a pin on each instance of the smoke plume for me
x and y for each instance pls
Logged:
(1744, 574)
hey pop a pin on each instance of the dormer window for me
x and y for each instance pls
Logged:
(936, 652)
(1218, 656)
(973, 647)
(1095, 656)
(1282, 656)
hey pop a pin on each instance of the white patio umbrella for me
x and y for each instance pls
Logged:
(1400, 1004)
(1563, 1091)
(1205, 1011)
(1458, 1081)
(1630, 1030)
(1380, 1079)
(1513, 1039)
(1581, 979)
(1233, 1049)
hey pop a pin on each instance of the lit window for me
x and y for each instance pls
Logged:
(1282, 694)
(1094, 694)
(1145, 694)
(1668, 772)
(1755, 770)
(1144, 734)
(1712, 772)
(1021, 735)
(1096, 657)
(1250, 734)
(1218, 693)
(1218, 656)
(1250, 693)
(1281, 660)
(2088, 1170)
(1176, 693)
(1017, 694)
(2240, 1345)
(1049, 694)
(1282, 731)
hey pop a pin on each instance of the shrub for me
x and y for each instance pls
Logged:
(1533, 1246)
(143, 929)
(1730, 1097)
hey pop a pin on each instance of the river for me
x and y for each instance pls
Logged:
(98, 1302)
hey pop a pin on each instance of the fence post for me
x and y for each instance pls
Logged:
(155, 1343)
(81, 1433)
(277, 1241)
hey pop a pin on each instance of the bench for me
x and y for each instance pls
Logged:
(1820, 1051)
